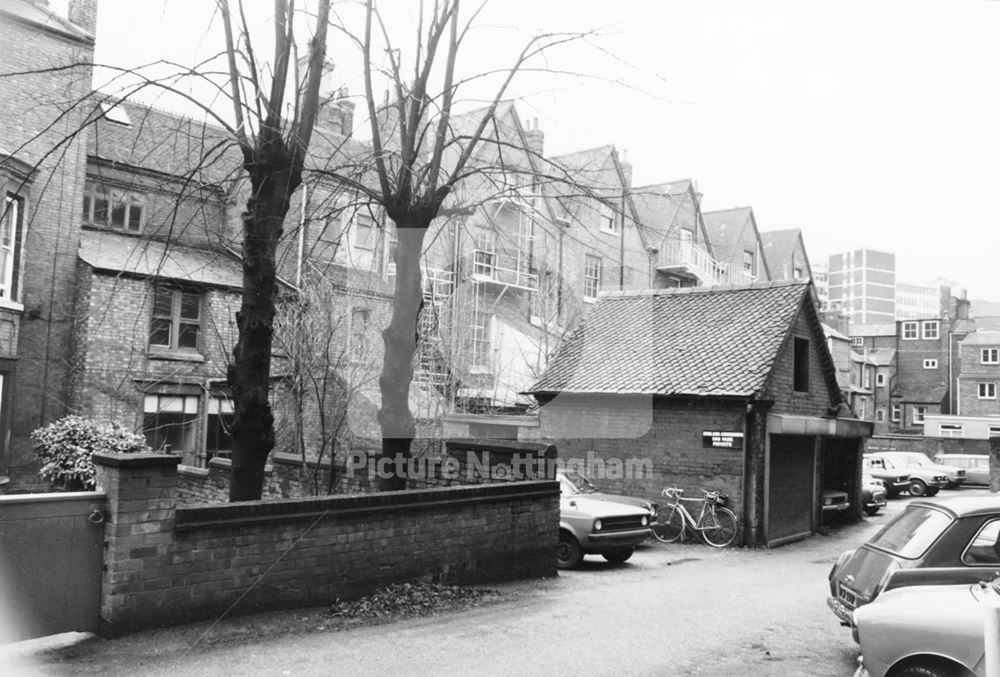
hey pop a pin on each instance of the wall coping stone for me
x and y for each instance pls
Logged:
(227, 464)
(143, 460)
(299, 509)
(192, 471)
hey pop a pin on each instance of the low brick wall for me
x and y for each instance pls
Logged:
(168, 563)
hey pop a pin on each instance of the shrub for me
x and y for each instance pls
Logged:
(65, 448)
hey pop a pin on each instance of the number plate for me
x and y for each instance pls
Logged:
(847, 596)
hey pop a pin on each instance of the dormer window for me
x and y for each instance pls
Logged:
(609, 224)
(113, 208)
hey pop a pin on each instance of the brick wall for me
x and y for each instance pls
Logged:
(662, 438)
(36, 120)
(780, 383)
(166, 563)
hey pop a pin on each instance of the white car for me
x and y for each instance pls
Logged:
(924, 631)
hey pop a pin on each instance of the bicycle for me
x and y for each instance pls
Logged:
(716, 524)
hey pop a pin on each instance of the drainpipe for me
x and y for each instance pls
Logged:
(621, 248)
(749, 495)
(302, 239)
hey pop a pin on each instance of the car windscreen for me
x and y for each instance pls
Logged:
(916, 459)
(579, 482)
(911, 532)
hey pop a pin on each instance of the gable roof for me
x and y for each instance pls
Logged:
(42, 17)
(779, 247)
(695, 341)
(727, 231)
(664, 207)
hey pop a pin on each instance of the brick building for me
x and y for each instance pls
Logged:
(728, 388)
(737, 243)
(979, 375)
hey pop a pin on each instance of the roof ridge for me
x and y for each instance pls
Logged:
(702, 289)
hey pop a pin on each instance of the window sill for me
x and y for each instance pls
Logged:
(11, 305)
(589, 299)
(175, 355)
(610, 232)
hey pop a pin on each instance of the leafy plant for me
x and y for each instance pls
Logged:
(66, 448)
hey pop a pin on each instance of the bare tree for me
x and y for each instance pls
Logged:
(274, 151)
(419, 158)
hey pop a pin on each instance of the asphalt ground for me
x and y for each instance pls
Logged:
(675, 610)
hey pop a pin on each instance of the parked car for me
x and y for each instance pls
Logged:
(925, 631)
(976, 466)
(578, 483)
(591, 522)
(835, 501)
(956, 540)
(924, 480)
(872, 494)
(955, 474)
(895, 481)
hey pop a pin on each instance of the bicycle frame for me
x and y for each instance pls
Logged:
(687, 519)
(716, 525)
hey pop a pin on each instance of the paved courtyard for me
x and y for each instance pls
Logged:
(672, 610)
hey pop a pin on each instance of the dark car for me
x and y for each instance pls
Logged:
(956, 540)
(872, 494)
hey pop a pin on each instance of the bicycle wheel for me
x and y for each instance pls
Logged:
(668, 527)
(719, 527)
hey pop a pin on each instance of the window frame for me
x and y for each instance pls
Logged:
(114, 197)
(800, 364)
(989, 356)
(919, 414)
(368, 244)
(592, 274)
(927, 335)
(12, 255)
(176, 319)
(930, 363)
(607, 221)
(986, 390)
(905, 330)
(896, 415)
(749, 261)
(879, 379)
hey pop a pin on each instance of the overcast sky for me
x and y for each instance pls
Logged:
(863, 123)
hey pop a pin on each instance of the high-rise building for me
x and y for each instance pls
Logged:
(862, 285)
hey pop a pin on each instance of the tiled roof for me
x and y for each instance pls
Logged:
(123, 254)
(833, 333)
(727, 231)
(779, 249)
(700, 341)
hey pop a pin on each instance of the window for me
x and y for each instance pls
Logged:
(931, 330)
(480, 339)
(218, 441)
(801, 365)
(989, 356)
(910, 330)
(483, 260)
(896, 411)
(950, 429)
(364, 231)
(880, 415)
(879, 379)
(985, 547)
(609, 224)
(857, 341)
(862, 408)
(918, 415)
(866, 377)
(360, 323)
(930, 363)
(113, 208)
(176, 319)
(987, 391)
(170, 421)
(994, 431)
(591, 276)
(391, 244)
(748, 262)
(11, 236)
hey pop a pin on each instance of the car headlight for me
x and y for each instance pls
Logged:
(598, 525)
(645, 521)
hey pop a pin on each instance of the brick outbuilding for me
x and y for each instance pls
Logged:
(728, 387)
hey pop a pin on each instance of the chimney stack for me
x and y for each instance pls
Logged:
(535, 138)
(83, 13)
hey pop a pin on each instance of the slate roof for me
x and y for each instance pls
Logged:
(695, 341)
(44, 17)
(116, 253)
(779, 250)
(663, 207)
(727, 231)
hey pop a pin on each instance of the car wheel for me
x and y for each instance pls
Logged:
(569, 554)
(618, 556)
(871, 511)
(917, 488)
(932, 670)
(932, 491)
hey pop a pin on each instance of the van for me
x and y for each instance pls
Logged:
(977, 466)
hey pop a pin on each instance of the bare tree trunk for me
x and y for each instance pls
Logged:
(250, 371)
(400, 340)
